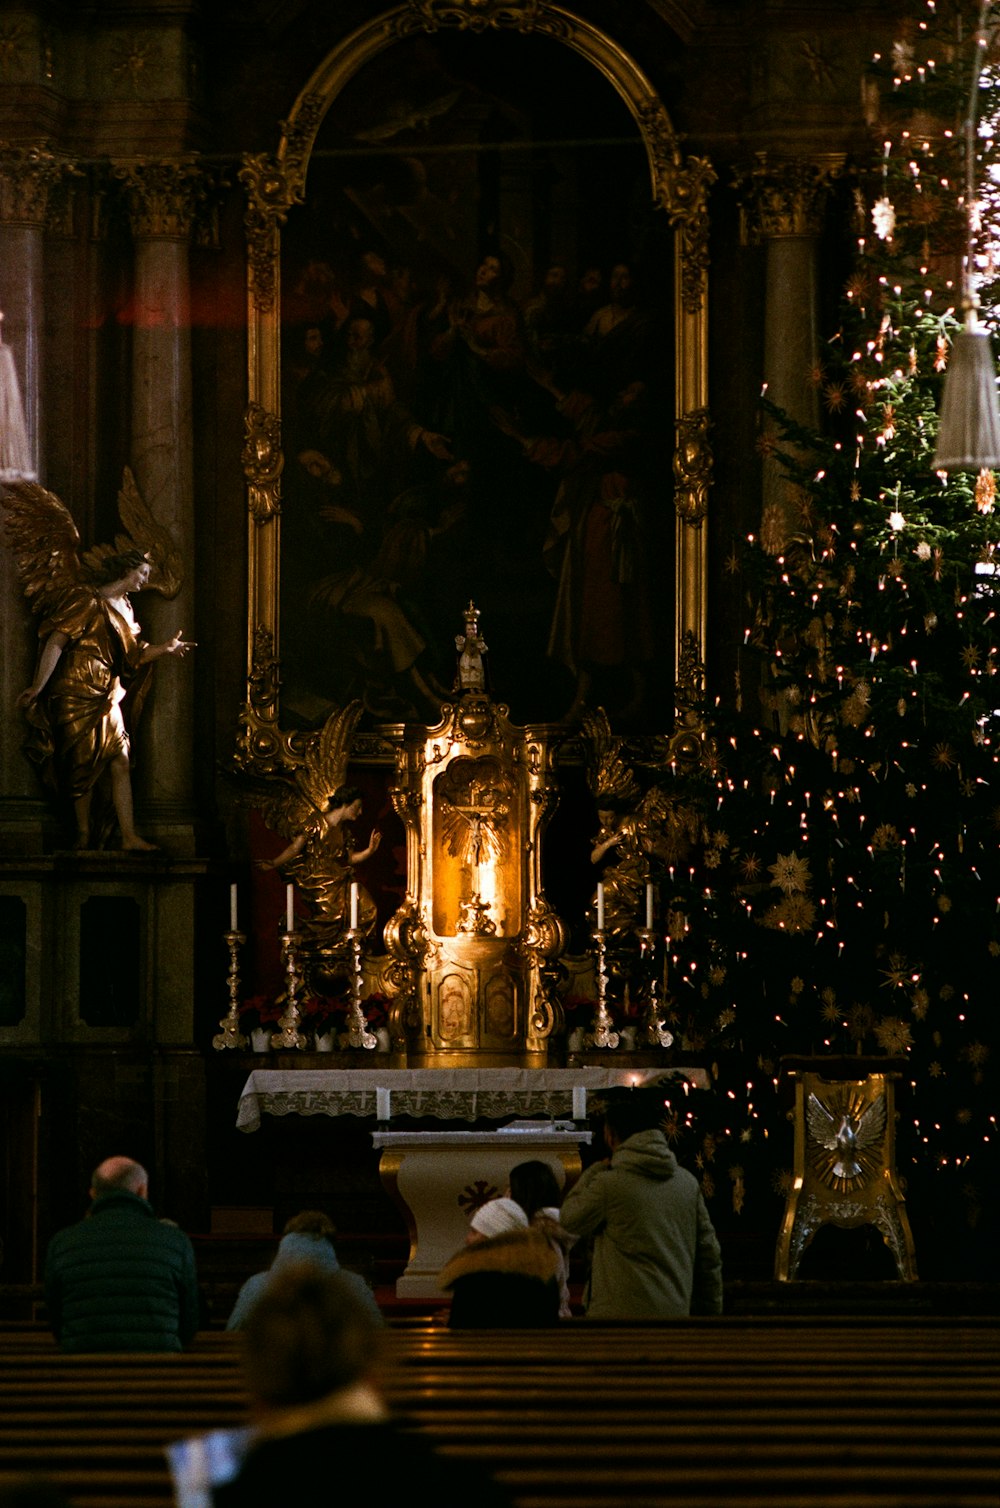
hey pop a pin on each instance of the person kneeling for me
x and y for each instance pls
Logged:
(507, 1275)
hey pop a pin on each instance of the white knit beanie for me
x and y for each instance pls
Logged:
(497, 1216)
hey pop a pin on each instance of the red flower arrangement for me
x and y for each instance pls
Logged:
(259, 1010)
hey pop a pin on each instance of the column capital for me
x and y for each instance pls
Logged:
(28, 170)
(163, 197)
(782, 197)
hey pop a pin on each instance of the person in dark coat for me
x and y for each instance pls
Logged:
(311, 1365)
(506, 1275)
(121, 1279)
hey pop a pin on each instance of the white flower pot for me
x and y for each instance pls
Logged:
(260, 1037)
(325, 1041)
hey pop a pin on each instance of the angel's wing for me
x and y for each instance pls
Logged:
(44, 540)
(326, 762)
(822, 1123)
(608, 774)
(871, 1124)
(145, 534)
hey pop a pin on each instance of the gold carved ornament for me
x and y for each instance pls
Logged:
(263, 462)
(693, 462)
(785, 197)
(681, 188)
(27, 174)
(164, 197)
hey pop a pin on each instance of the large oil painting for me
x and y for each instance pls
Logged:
(477, 392)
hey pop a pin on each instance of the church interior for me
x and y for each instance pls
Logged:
(484, 620)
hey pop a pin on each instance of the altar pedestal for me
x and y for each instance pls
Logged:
(438, 1179)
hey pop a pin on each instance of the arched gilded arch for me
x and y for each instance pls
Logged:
(275, 183)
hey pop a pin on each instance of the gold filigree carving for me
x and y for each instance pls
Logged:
(263, 462)
(27, 174)
(693, 467)
(299, 132)
(785, 197)
(163, 197)
(270, 195)
(681, 187)
(476, 15)
(259, 745)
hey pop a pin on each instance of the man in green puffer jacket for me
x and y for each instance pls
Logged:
(120, 1279)
(655, 1252)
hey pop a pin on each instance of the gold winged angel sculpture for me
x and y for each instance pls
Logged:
(316, 813)
(644, 828)
(93, 663)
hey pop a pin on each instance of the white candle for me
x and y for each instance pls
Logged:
(579, 1103)
(382, 1104)
(232, 908)
(649, 907)
(354, 906)
(600, 907)
(289, 915)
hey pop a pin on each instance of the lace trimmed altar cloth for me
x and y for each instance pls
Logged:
(462, 1094)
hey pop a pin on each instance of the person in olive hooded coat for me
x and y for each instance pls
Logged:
(655, 1252)
(121, 1279)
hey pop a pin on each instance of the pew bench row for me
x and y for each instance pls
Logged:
(690, 1416)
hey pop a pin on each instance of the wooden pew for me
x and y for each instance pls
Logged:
(714, 1415)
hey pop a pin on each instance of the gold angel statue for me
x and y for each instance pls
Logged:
(93, 663)
(316, 814)
(642, 830)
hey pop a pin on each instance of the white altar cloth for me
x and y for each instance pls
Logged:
(444, 1093)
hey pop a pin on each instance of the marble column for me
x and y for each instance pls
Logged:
(27, 173)
(784, 203)
(162, 198)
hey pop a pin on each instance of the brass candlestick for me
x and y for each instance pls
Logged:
(653, 1030)
(288, 1034)
(358, 1034)
(230, 1035)
(602, 1035)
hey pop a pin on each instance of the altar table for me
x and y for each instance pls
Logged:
(438, 1179)
(456, 1094)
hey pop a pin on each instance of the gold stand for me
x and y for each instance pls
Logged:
(230, 1035)
(602, 1035)
(288, 1034)
(844, 1172)
(653, 1032)
(358, 1034)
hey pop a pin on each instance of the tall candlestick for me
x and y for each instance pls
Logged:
(232, 908)
(354, 906)
(289, 913)
(649, 907)
(600, 907)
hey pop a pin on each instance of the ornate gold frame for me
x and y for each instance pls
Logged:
(275, 183)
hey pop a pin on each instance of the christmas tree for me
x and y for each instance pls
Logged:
(847, 894)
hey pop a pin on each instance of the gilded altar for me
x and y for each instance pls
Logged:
(475, 944)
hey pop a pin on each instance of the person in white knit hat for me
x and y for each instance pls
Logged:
(493, 1218)
(506, 1274)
